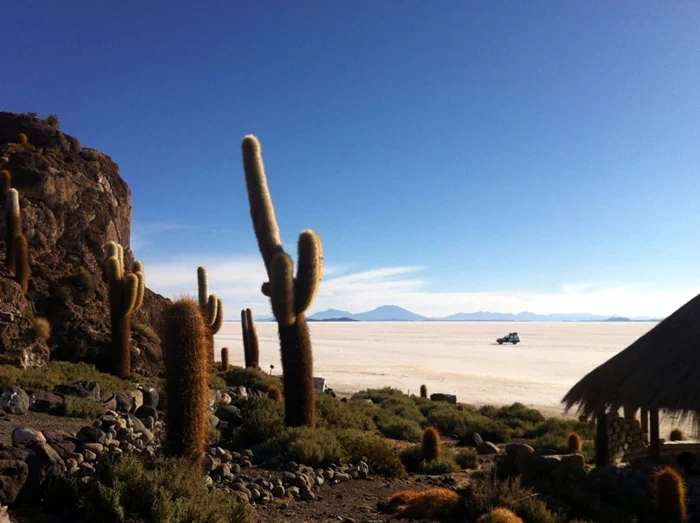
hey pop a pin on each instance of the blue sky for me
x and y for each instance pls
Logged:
(453, 155)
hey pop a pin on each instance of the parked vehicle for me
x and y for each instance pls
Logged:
(512, 337)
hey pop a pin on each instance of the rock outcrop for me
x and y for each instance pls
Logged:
(73, 201)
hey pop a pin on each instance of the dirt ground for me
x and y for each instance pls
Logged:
(38, 421)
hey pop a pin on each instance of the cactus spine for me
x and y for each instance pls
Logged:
(423, 391)
(212, 309)
(289, 296)
(430, 444)
(251, 350)
(224, 359)
(670, 496)
(126, 293)
(186, 354)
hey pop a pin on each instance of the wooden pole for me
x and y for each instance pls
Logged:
(601, 440)
(655, 449)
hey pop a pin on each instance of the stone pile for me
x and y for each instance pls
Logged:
(626, 441)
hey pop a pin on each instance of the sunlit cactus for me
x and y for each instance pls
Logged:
(251, 350)
(290, 296)
(186, 356)
(670, 493)
(574, 443)
(430, 444)
(13, 226)
(212, 309)
(126, 294)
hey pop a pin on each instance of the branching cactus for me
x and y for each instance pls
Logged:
(126, 293)
(290, 296)
(186, 356)
(251, 350)
(212, 309)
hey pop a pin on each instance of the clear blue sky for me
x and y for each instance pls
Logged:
(509, 149)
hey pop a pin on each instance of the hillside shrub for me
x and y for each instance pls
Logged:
(467, 459)
(61, 373)
(76, 407)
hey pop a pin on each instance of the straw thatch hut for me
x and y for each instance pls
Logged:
(661, 370)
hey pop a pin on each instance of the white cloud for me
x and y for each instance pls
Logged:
(141, 232)
(237, 280)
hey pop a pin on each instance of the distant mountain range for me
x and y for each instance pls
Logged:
(394, 313)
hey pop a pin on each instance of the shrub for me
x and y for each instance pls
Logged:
(164, 490)
(64, 293)
(677, 435)
(83, 279)
(426, 504)
(443, 464)
(147, 332)
(379, 395)
(464, 423)
(262, 420)
(430, 444)
(574, 443)
(90, 155)
(76, 407)
(467, 459)
(499, 515)
(60, 373)
(375, 449)
(670, 496)
(42, 328)
(53, 121)
(251, 378)
(216, 382)
(510, 494)
(313, 447)
(213, 436)
(401, 429)
(331, 413)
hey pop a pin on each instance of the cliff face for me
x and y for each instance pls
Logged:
(73, 202)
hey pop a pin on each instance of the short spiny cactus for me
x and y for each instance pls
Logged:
(23, 139)
(677, 435)
(186, 355)
(212, 309)
(670, 496)
(430, 443)
(224, 359)
(499, 515)
(274, 393)
(126, 293)
(423, 391)
(574, 443)
(251, 350)
(290, 295)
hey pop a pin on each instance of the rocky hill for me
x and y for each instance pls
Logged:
(73, 201)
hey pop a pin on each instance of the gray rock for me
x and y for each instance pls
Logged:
(77, 457)
(225, 399)
(240, 487)
(14, 400)
(21, 436)
(575, 461)
(89, 455)
(363, 467)
(248, 454)
(210, 463)
(149, 423)
(150, 397)
(144, 411)
(477, 439)
(91, 434)
(517, 450)
(44, 401)
(328, 474)
(213, 420)
(125, 402)
(146, 436)
(44, 464)
(86, 469)
(110, 402)
(13, 473)
(71, 465)
(235, 469)
(81, 389)
(135, 423)
(246, 464)
(307, 495)
(294, 491)
(230, 414)
(137, 396)
(62, 442)
(96, 448)
(278, 491)
(208, 481)
(487, 448)
(342, 477)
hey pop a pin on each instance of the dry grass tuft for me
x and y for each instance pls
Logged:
(431, 503)
(42, 328)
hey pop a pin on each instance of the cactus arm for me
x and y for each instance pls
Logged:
(202, 286)
(219, 319)
(112, 269)
(261, 209)
(282, 287)
(210, 313)
(141, 291)
(309, 270)
(120, 257)
(131, 291)
(137, 266)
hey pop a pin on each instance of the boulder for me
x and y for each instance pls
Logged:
(448, 398)
(14, 400)
(125, 402)
(137, 396)
(487, 448)
(110, 402)
(21, 436)
(150, 397)
(44, 463)
(144, 411)
(62, 442)
(575, 461)
(81, 389)
(477, 439)
(91, 434)
(229, 414)
(517, 450)
(44, 401)
(13, 473)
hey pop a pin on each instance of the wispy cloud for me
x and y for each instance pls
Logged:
(237, 280)
(141, 233)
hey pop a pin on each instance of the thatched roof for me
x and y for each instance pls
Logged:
(660, 370)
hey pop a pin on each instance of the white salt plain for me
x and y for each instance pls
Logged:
(455, 358)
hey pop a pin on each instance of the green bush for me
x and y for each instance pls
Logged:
(467, 459)
(263, 419)
(61, 373)
(216, 382)
(379, 395)
(444, 464)
(449, 420)
(147, 332)
(53, 121)
(81, 407)
(164, 490)
(412, 458)
(375, 449)
(331, 413)
(402, 429)
(313, 447)
(250, 378)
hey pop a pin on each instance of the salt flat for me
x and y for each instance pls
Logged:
(459, 358)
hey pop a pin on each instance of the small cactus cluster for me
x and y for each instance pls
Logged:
(126, 293)
(290, 295)
(224, 359)
(251, 350)
(274, 393)
(17, 247)
(677, 435)
(574, 443)
(423, 391)
(212, 309)
(430, 444)
(500, 515)
(670, 493)
(187, 365)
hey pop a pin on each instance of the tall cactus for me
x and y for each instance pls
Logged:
(251, 350)
(186, 355)
(212, 309)
(289, 296)
(17, 255)
(224, 359)
(126, 293)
